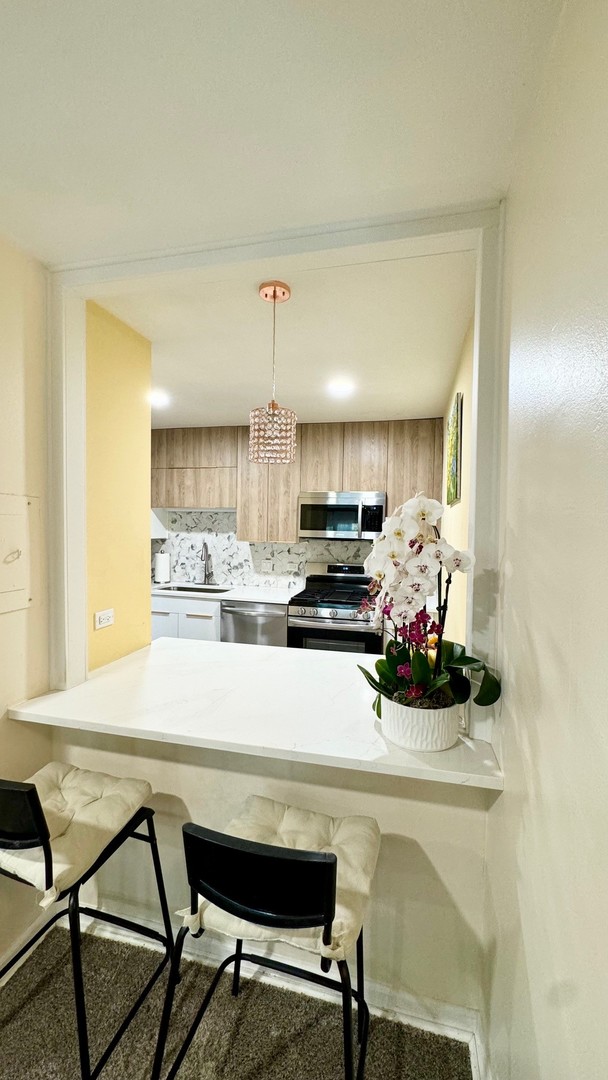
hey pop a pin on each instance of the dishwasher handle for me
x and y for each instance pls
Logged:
(259, 613)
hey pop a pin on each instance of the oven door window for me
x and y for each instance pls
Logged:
(322, 519)
(333, 640)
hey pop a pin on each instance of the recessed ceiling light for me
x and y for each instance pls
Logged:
(341, 387)
(159, 399)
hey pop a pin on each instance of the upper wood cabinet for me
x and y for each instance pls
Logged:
(204, 468)
(284, 486)
(195, 448)
(267, 497)
(415, 460)
(365, 456)
(322, 456)
(194, 468)
(251, 493)
(194, 489)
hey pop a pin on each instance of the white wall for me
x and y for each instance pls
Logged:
(547, 897)
(23, 634)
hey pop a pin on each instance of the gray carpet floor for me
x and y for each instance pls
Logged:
(264, 1034)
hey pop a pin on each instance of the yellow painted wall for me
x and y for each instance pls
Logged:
(118, 485)
(455, 524)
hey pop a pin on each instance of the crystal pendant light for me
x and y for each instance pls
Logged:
(272, 429)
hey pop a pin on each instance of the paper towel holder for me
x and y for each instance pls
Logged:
(162, 567)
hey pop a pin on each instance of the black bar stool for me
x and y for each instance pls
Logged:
(284, 874)
(58, 829)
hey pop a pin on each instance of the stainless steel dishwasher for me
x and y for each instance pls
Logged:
(254, 623)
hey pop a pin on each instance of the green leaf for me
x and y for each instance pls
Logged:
(394, 659)
(489, 691)
(384, 671)
(460, 686)
(467, 661)
(441, 680)
(377, 706)
(421, 671)
(380, 688)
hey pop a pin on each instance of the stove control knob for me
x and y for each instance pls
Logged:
(354, 614)
(366, 616)
(314, 611)
(301, 611)
(333, 614)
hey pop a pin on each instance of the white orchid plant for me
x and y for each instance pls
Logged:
(409, 563)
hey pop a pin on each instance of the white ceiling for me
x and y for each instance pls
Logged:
(140, 126)
(391, 320)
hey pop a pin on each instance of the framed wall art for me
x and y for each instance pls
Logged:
(454, 451)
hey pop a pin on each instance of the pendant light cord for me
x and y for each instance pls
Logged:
(274, 336)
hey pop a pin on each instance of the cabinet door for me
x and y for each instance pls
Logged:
(251, 494)
(414, 460)
(365, 456)
(201, 448)
(164, 623)
(159, 448)
(159, 493)
(215, 447)
(321, 457)
(200, 625)
(215, 488)
(283, 490)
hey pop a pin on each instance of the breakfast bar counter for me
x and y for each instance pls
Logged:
(295, 705)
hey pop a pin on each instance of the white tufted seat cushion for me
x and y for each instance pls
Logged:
(84, 811)
(354, 840)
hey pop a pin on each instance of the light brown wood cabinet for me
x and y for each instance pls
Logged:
(198, 448)
(365, 456)
(267, 497)
(195, 489)
(415, 460)
(202, 468)
(251, 493)
(322, 457)
(194, 468)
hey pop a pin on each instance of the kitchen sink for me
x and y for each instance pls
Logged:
(194, 588)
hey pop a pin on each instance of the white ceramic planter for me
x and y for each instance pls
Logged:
(425, 730)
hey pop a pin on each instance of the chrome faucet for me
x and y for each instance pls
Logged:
(204, 554)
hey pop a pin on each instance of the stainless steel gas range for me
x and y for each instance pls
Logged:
(325, 615)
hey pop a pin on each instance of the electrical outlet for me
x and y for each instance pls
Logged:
(267, 565)
(104, 618)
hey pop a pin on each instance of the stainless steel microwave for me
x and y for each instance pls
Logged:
(341, 515)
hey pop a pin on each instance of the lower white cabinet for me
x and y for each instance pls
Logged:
(164, 623)
(201, 625)
(185, 617)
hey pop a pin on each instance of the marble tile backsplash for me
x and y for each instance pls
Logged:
(236, 562)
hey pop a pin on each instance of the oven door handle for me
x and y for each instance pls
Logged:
(338, 624)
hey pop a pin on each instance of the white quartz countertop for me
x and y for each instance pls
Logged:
(261, 594)
(292, 704)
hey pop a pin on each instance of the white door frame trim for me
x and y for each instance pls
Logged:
(478, 229)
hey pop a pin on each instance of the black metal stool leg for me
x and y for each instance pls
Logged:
(163, 1031)
(160, 884)
(236, 977)
(347, 1019)
(360, 986)
(79, 997)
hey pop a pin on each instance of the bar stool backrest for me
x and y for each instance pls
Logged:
(262, 883)
(22, 822)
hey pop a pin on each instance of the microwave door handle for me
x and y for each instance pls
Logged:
(360, 520)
